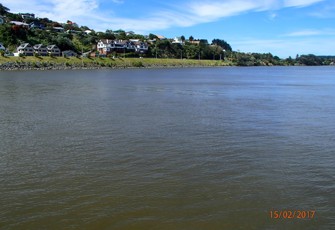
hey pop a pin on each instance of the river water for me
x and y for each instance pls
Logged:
(195, 148)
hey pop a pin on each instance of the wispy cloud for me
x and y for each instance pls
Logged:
(311, 32)
(118, 1)
(213, 10)
(187, 13)
(300, 3)
(325, 11)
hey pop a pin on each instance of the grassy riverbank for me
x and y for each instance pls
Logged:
(9, 63)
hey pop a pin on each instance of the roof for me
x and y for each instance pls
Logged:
(106, 41)
(68, 51)
(39, 46)
(19, 23)
(161, 37)
(52, 47)
(24, 45)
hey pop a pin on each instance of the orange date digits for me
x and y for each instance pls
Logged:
(292, 214)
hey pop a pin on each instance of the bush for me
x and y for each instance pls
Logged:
(138, 64)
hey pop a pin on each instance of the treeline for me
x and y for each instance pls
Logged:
(267, 59)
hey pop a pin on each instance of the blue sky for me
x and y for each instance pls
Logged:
(282, 27)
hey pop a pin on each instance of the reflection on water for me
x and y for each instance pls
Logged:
(167, 149)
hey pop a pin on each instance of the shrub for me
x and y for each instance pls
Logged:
(138, 64)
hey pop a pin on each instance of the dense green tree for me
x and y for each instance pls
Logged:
(6, 35)
(222, 43)
(310, 60)
(152, 36)
(182, 39)
(191, 51)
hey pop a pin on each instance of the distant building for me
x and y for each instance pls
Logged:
(53, 50)
(160, 37)
(27, 16)
(40, 50)
(2, 20)
(141, 47)
(130, 33)
(107, 46)
(177, 40)
(17, 23)
(2, 47)
(88, 31)
(69, 53)
(36, 25)
(25, 49)
(58, 29)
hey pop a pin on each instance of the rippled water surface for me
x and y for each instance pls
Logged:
(212, 148)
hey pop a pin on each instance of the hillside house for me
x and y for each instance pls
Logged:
(141, 47)
(69, 53)
(40, 50)
(58, 29)
(2, 20)
(2, 47)
(106, 46)
(27, 16)
(36, 25)
(17, 23)
(177, 40)
(25, 49)
(53, 50)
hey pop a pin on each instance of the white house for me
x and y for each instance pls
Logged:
(141, 47)
(106, 46)
(27, 16)
(53, 50)
(40, 49)
(177, 40)
(2, 47)
(25, 49)
(17, 23)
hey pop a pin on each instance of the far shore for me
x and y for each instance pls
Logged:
(58, 63)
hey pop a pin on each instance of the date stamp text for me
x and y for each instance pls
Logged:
(292, 214)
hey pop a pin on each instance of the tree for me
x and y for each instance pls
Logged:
(152, 36)
(222, 43)
(6, 36)
(192, 51)
(191, 38)
(3, 10)
(182, 39)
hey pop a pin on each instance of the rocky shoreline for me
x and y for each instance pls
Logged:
(12, 66)
(17, 66)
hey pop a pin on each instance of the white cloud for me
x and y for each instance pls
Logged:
(300, 3)
(214, 10)
(187, 13)
(303, 33)
(311, 32)
(118, 1)
(325, 11)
